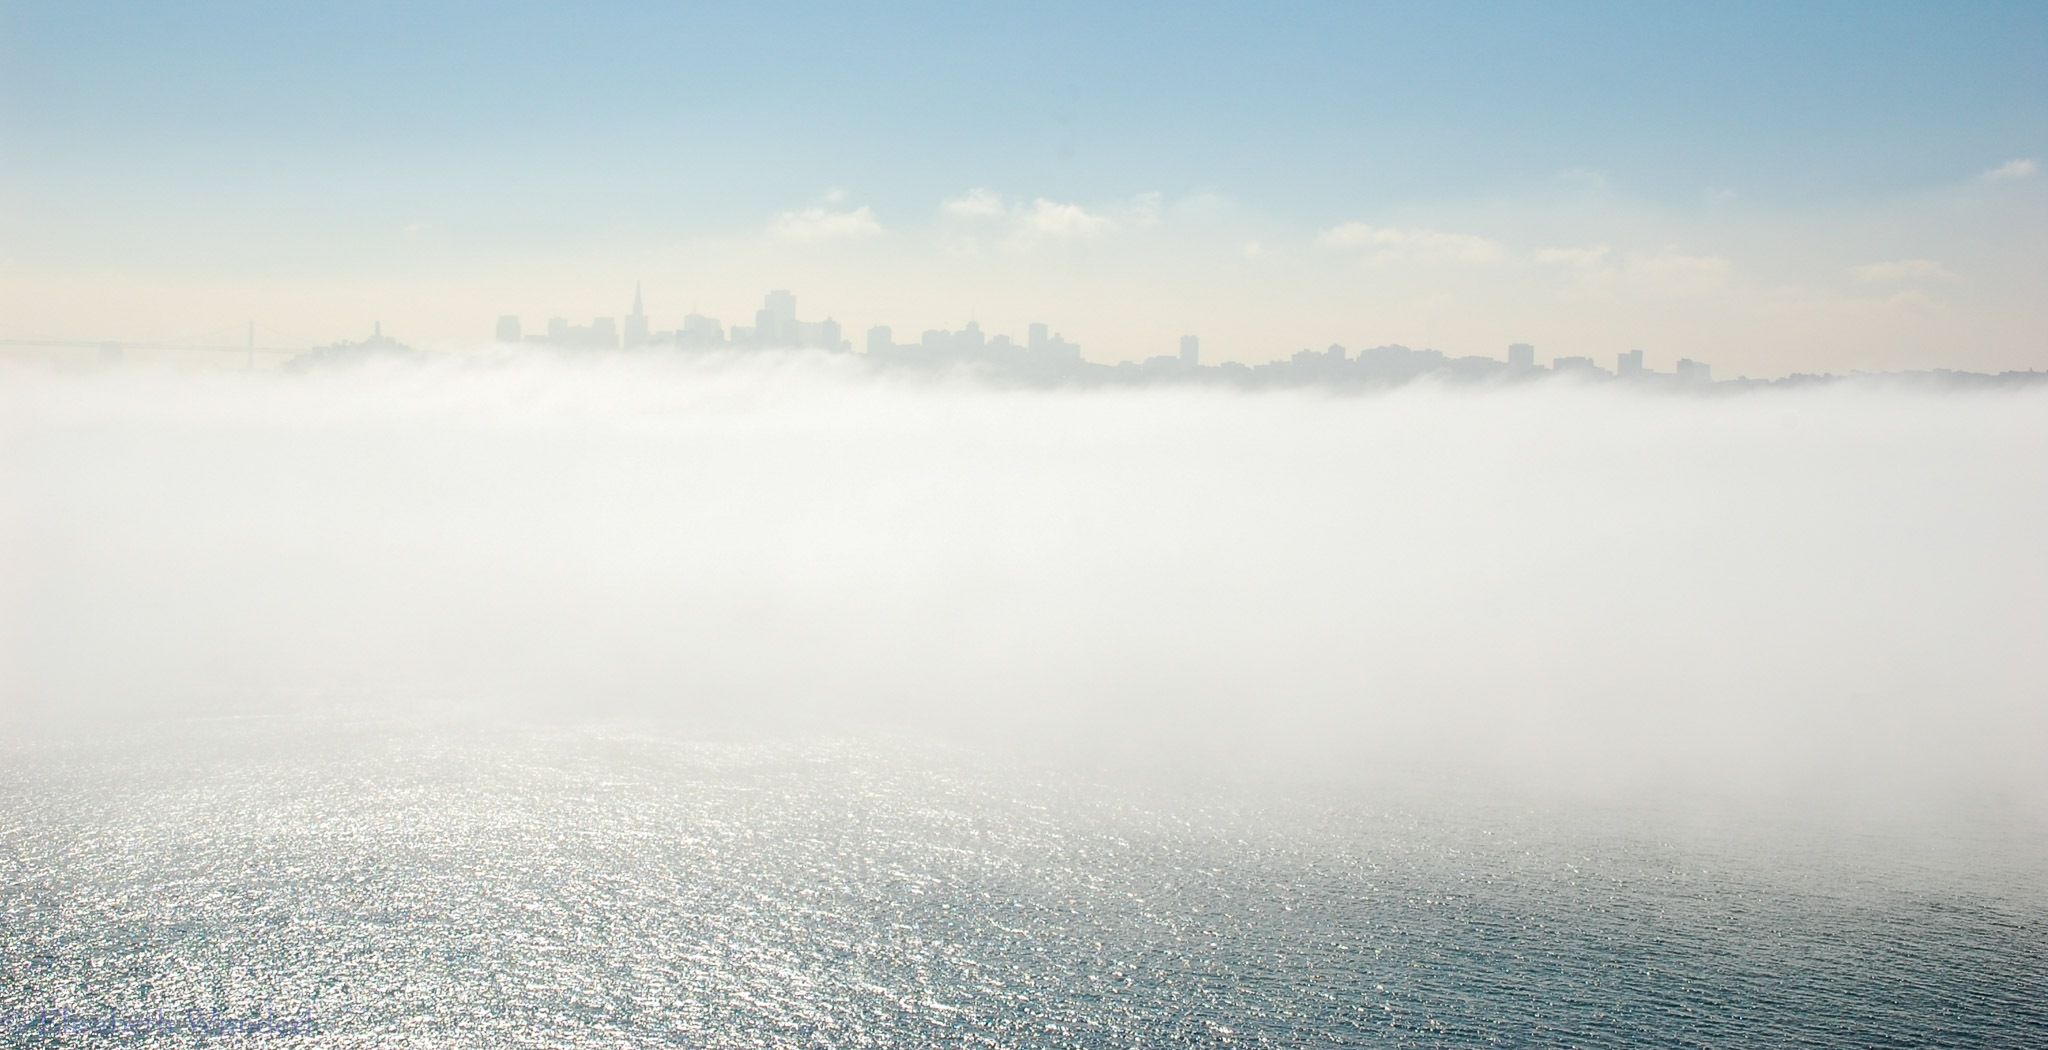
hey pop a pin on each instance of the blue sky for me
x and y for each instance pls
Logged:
(224, 146)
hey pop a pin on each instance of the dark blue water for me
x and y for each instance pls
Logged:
(575, 887)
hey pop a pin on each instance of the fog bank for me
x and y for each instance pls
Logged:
(1834, 591)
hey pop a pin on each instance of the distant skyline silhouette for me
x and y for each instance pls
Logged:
(1775, 190)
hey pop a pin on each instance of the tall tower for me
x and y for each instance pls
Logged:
(775, 322)
(1190, 351)
(636, 322)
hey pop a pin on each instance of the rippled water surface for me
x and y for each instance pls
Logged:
(580, 887)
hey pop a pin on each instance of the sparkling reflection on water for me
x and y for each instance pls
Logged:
(578, 887)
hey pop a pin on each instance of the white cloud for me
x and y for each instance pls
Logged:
(1672, 272)
(1051, 219)
(1416, 243)
(818, 224)
(1202, 202)
(976, 203)
(1668, 273)
(1043, 218)
(1902, 270)
(1572, 256)
(2013, 169)
(1912, 301)
(1145, 208)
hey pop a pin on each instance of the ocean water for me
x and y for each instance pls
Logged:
(402, 883)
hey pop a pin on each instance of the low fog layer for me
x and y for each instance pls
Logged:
(1831, 591)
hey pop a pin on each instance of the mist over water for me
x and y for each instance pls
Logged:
(1572, 581)
(781, 703)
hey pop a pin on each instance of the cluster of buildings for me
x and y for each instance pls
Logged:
(1627, 365)
(1045, 355)
(775, 327)
(378, 345)
(1383, 365)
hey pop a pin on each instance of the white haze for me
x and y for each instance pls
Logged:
(1830, 593)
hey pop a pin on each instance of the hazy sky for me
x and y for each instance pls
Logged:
(1768, 187)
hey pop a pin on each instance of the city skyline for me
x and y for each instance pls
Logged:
(1043, 353)
(1043, 356)
(1782, 191)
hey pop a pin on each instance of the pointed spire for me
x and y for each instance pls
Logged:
(636, 298)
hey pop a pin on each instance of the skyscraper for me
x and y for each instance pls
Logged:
(1521, 355)
(820, 335)
(1629, 364)
(636, 323)
(1190, 351)
(508, 329)
(775, 322)
(700, 332)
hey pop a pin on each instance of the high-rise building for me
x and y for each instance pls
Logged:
(1693, 371)
(1629, 364)
(775, 322)
(1190, 351)
(881, 340)
(820, 335)
(1038, 338)
(1521, 355)
(600, 333)
(700, 332)
(636, 323)
(508, 329)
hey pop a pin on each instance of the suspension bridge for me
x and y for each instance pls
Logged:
(249, 341)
